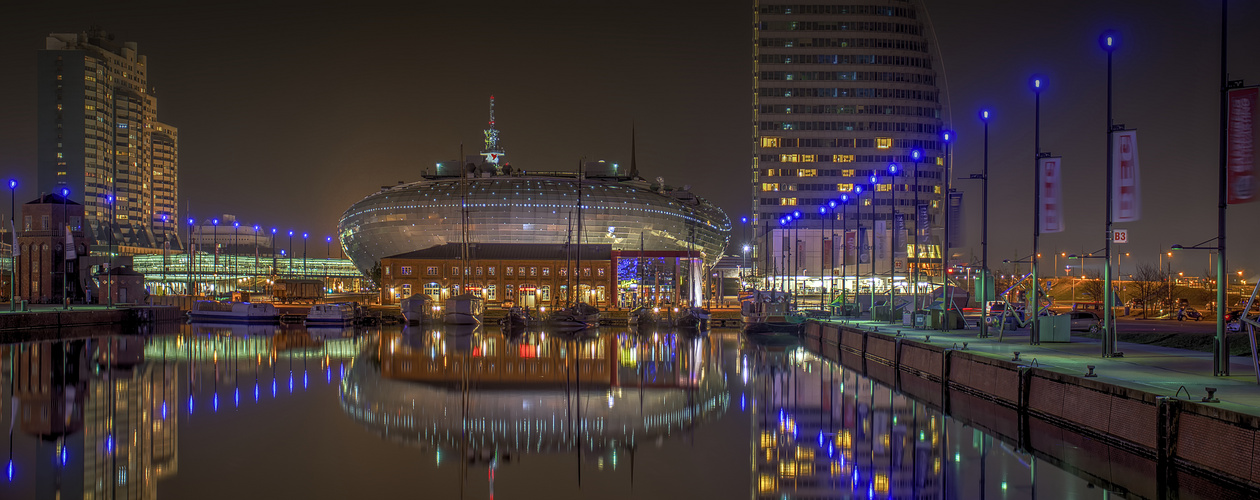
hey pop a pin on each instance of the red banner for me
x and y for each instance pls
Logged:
(850, 245)
(1126, 183)
(1051, 196)
(1240, 145)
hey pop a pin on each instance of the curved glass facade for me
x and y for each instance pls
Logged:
(531, 209)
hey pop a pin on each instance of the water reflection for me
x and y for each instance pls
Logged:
(468, 412)
(488, 396)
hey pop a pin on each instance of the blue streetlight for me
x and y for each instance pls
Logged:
(1038, 84)
(65, 252)
(947, 137)
(1110, 41)
(13, 242)
(290, 254)
(304, 237)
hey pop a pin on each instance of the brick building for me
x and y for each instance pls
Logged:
(41, 240)
(534, 275)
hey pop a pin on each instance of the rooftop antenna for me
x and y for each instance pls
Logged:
(634, 166)
(493, 153)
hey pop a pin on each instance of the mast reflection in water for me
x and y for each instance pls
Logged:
(288, 412)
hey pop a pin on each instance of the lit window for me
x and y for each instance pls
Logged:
(809, 158)
(769, 186)
(940, 161)
(480, 271)
(520, 271)
(883, 142)
(387, 270)
(771, 142)
(491, 270)
(406, 290)
(848, 173)
(431, 271)
(844, 188)
(546, 271)
(507, 271)
(790, 158)
(787, 201)
(406, 270)
(454, 271)
(883, 187)
(807, 172)
(842, 158)
(533, 271)
(601, 271)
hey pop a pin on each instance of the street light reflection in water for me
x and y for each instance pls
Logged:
(610, 413)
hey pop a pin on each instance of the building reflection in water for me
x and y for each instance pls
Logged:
(489, 398)
(105, 411)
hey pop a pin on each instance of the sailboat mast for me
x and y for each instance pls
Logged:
(463, 222)
(579, 231)
(568, 270)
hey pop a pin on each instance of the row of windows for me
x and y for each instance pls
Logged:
(838, 109)
(916, 62)
(846, 172)
(859, 93)
(873, 26)
(774, 187)
(855, 76)
(800, 158)
(817, 202)
(861, 10)
(921, 128)
(773, 217)
(880, 143)
(860, 43)
(507, 271)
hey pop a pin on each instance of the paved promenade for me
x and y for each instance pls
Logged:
(1158, 370)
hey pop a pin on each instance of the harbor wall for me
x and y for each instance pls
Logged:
(1198, 445)
(52, 319)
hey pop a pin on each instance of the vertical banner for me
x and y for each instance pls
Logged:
(850, 244)
(829, 253)
(1126, 181)
(864, 246)
(881, 246)
(1240, 145)
(956, 221)
(1051, 195)
(921, 227)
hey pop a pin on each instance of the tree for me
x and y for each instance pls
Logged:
(375, 273)
(1148, 284)
(1091, 286)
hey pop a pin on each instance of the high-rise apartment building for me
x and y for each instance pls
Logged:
(842, 90)
(99, 136)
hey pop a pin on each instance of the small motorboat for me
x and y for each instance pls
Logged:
(416, 309)
(644, 317)
(577, 317)
(464, 309)
(696, 318)
(330, 314)
(516, 318)
(233, 312)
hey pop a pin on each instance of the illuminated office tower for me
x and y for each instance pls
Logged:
(99, 136)
(841, 91)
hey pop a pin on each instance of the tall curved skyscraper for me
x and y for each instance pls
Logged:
(842, 90)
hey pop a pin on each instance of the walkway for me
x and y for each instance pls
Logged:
(1158, 370)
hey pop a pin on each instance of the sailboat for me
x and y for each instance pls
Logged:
(465, 308)
(580, 315)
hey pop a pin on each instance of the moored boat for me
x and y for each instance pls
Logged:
(694, 318)
(233, 312)
(330, 314)
(577, 317)
(466, 309)
(416, 309)
(766, 311)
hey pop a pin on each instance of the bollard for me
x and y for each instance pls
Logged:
(1016, 358)
(1211, 395)
(927, 338)
(1090, 373)
(964, 346)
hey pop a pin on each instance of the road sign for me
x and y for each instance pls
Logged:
(1119, 235)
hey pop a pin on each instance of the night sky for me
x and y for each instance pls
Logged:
(288, 113)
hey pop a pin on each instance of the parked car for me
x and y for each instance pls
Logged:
(1086, 321)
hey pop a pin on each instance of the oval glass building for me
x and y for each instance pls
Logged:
(531, 208)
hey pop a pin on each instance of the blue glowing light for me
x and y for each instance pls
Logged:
(255, 392)
(164, 410)
(305, 380)
(984, 115)
(273, 231)
(237, 397)
(216, 402)
(236, 223)
(328, 239)
(820, 438)
(782, 222)
(215, 221)
(1109, 40)
(109, 443)
(916, 154)
(744, 220)
(191, 221)
(822, 210)
(12, 185)
(190, 404)
(65, 192)
(63, 454)
(831, 203)
(892, 168)
(844, 198)
(305, 235)
(797, 214)
(741, 402)
(328, 371)
(948, 135)
(873, 179)
(857, 189)
(273, 387)
(290, 382)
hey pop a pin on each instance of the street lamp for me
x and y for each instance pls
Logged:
(874, 189)
(985, 277)
(947, 297)
(822, 258)
(256, 263)
(795, 259)
(236, 251)
(215, 222)
(304, 237)
(917, 156)
(783, 221)
(13, 246)
(65, 252)
(1037, 83)
(291, 253)
(1109, 41)
(190, 254)
(844, 255)
(831, 256)
(1220, 351)
(275, 266)
(892, 247)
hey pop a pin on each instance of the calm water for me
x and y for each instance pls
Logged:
(290, 412)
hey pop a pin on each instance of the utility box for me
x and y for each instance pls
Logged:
(1056, 328)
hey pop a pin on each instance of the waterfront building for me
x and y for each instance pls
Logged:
(840, 92)
(98, 135)
(42, 254)
(541, 275)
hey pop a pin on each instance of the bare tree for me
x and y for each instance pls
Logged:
(1148, 284)
(1091, 286)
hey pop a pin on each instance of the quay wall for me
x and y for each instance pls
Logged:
(52, 319)
(1201, 446)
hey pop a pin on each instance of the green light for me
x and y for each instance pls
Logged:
(1003, 485)
(957, 457)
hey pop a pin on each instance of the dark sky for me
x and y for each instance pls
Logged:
(290, 112)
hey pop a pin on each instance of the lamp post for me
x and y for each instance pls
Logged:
(831, 256)
(304, 271)
(892, 247)
(796, 259)
(14, 245)
(1034, 337)
(844, 265)
(744, 265)
(986, 278)
(190, 254)
(1109, 41)
(874, 189)
(65, 252)
(783, 221)
(236, 252)
(947, 298)
(917, 156)
(1220, 354)
(275, 266)
(822, 258)
(256, 263)
(291, 253)
(215, 222)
